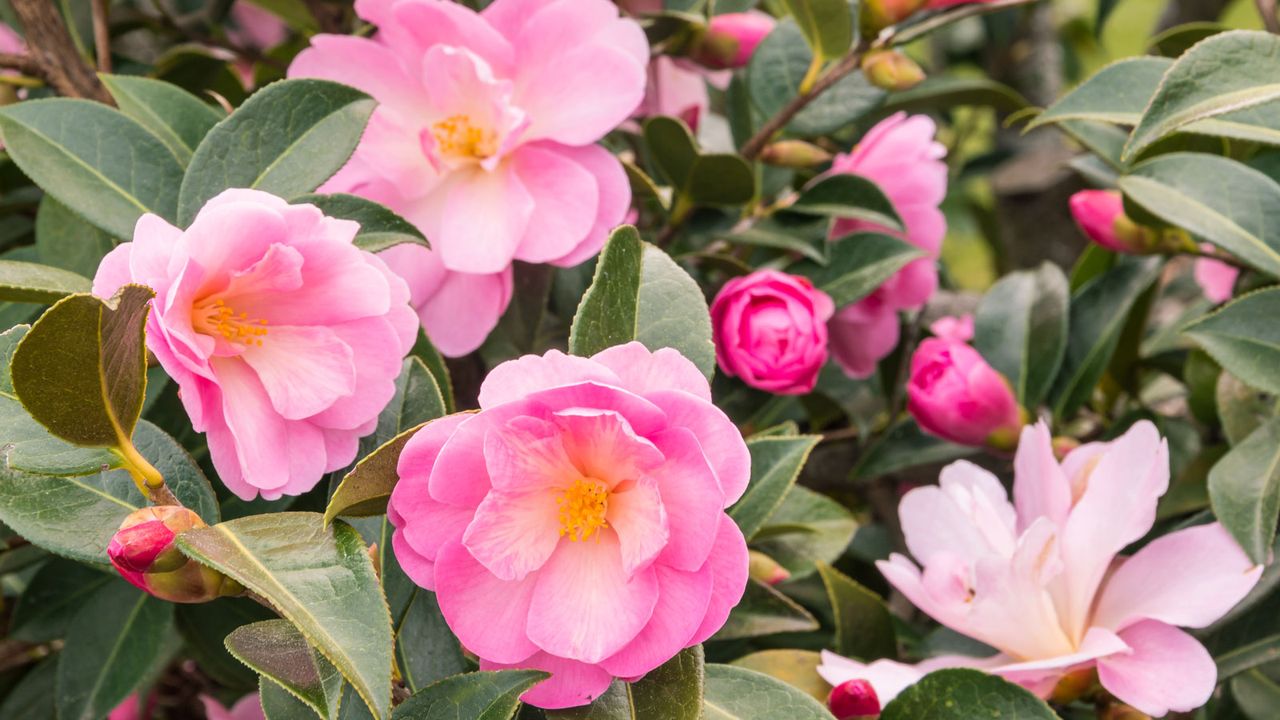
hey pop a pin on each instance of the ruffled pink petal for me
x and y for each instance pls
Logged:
(259, 436)
(485, 216)
(363, 64)
(114, 271)
(614, 199)
(968, 515)
(465, 308)
(571, 684)
(728, 563)
(429, 23)
(603, 445)
(643, 371)
(720, 439)
(1166, 670)
(513, 534)
(692, 497)
(303, 369)
(565, 202)
(526, 454)
(1040, 487)
(489, 615)
(682, 603)
(515, 379)
(638, 517)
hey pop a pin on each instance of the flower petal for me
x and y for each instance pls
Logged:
(571, 684)
(489, 615)
(682, 602)
(1166, 670)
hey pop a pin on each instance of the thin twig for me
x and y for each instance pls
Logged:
(1220, 256)
(54, 52)
(752, 147)
(1270, 20)
(24, 64)
(101, 35)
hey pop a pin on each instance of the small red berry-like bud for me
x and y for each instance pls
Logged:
(854, 700)
(143, 552)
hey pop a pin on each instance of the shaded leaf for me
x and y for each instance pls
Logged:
(735, 693)
(1244, 488)
(35, 283)
(471, 696)
(1243, 339)
(797, 668)
(864, 629)
(827, 25)
(179, 119)
(807, 528)
(607, 313)
(380, 227)
(775, 464)
(276, 650)
(672, 312)
(57, 591)
(66, 240)
(963, 694)
(848, 196)
(764, 611)
(857, 265)
(1117, 94)
(1021, 329)
(673, 691)
(904, 446)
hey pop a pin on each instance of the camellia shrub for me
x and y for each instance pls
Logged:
(658, 360)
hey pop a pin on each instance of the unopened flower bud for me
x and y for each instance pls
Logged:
(955, 394)
(766, 569)
(794, 154)
(891, 70)
(880, 14)
(143, 552)
(731, 38)
(1100, 214)
(854, 700)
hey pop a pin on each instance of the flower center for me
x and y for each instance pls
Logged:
(583, 506)
(218, 318)
(457, 136)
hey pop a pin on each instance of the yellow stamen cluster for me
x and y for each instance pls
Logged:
(583, 506)
(457, 136)
(221, 319)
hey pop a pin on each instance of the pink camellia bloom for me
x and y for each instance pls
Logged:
(576, 523)
(854, 700)
(771, 331)
(953, 329)
(1216, 278)
(953, 393)
(731, 39)
(677, 91)
(1041, 579)
(1100, 215)
(248, 707)
(285, 339)
(484, 137)
(901, 156)
(142, 551)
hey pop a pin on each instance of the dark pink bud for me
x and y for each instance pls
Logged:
(732, 38)
(854, 700)
(142, 551)
(953, 393)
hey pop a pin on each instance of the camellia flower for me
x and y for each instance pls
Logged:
(1041, 579)
(731, 39)
(142, 551)
(484, 137)
(771, 331)
(953, 393)
(576, 523)
(1216, 278)
(901, 156)
(248, 707)
(285, 339)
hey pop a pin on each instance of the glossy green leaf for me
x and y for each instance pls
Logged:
(775, 464)
(287, 139)
(111, 645)
(904, 446)
(1256, 694)
(280, 704)
(735, 693)
(1117, 94)
(672, 147)
(1021, 329)
(93, 159)
(276, 650)
(320, 578)
(179, 119)
(1178, 39)
(807, 528)
(1244, 488)
(1227, 72)
(673, 691)
(1260, 652)
(426, 650)
(472, 696)
(66, 240)
(204, 628)
(797, 668)
(827, 25)
(858, 264)
(864, 628)
(57, 591)
(672, 312)
(848, 196)
(380, 228)
(1244, 339)
(764, 611)
(1240, 408)
(941, 92)
(607, 313)
(720, 179)
(81, 369)
(964, 694)
(34, 283)
(1218, 199)
(1097, 317)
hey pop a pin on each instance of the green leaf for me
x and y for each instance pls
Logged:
(864, 629)
(76, 516)
(1189, 189)
(941, 92)
(1178, 39)
(1247, 657)
(1098, 314)
(848, 196)
(775, 464)
(96, 161)
(1021, 329)
(1244, 489)
(380, 228)
(1227, 72)
(204, 628)
(720, 179)
(287, 139)
(764, 611)
(1257, 695)
(672, 312)
(904, 446)
(426, 651)
(964, 694)
(607, 313)
(827, 25)
(735, 693)
(1241, 409)
(797, 668)
(179, 119)
(111, 644)
(1118, 93)
(472, 696)
(276, 650)
(57, 591)
(318, 577)
(280, 704)
(807, 528)
(673, 691)
(34, 696)
(858, 264)
(65, 240)
(673, 148)
(1243, 339)
(34, 283)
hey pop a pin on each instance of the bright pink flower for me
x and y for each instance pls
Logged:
(771, 331)
(248, 707)
(1041, 579)
(485, 139)
(285, 339)
(576, 523)
(731, 39)
(853, 700)
(953, 393)
(953, 329)
(901, 156)
(1216, 278)
(1100, 215)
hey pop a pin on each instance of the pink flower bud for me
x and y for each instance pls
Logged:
(765, 569)
(143, 552)
(732, 38)
(854, 700)
(953, 393)
(1100, 214)
(891, 70)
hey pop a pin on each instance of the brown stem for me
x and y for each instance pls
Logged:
(101, 35)
(163, 496)
(53, 50)
(24, 64)
(1270, 20)
(753, 146)
(1220, 256)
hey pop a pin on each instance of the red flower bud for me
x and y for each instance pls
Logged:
(880, 14)
(143, 552)
(1100, 215)
(731, 39)
(854, 700)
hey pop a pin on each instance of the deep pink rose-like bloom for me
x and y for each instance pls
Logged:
(1041, 578)
(953, 393)
(901, 156)
(771, 331)
(732, 38)
(576, 523)
(1216, 279)
(285, 339)
(484, 138)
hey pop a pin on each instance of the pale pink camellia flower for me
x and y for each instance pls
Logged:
(1041, 579)
(285, 339)
(900, 155)
(954, 394)
(485, 138)
(576, 523)
(1216, 279)
(771, 331)
(731, 39)
(248, 707)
